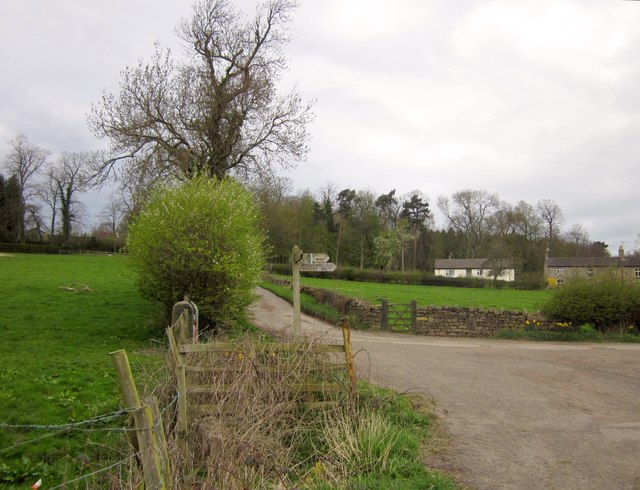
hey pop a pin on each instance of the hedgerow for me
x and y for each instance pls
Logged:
(605, 301)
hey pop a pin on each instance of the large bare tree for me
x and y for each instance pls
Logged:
(468, 211)
(219, 110)
(551, 214)
(24, 161)
(69, 176)
(112, 216)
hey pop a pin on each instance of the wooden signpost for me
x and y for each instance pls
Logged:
(307, 262)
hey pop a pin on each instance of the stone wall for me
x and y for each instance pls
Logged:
(448, 321)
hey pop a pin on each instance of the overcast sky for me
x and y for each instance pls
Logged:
(530, 99)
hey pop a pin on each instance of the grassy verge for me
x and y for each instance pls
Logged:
(307, 304)
(508, 299)
(54, 362)
(375, 443)
(583, 334)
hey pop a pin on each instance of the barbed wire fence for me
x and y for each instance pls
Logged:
(100, 423)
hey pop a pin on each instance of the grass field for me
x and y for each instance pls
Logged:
(508, 299)
(54, 362)
(56, 374)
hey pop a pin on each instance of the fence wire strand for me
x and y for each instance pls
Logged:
(58, 429)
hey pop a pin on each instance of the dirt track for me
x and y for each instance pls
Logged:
(521, 415)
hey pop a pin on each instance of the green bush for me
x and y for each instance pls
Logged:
(202, 239)
(605, 301)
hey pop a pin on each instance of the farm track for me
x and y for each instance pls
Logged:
(520, 415)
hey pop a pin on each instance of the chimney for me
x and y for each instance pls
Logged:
(621, 253)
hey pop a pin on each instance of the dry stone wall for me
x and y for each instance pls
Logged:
(447, 321)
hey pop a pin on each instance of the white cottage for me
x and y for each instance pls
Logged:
(500, 269)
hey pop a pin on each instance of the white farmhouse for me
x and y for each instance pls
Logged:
(500, 269)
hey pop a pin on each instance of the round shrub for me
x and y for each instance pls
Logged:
(200, 238)
(604, 301)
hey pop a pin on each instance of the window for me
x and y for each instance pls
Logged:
(559, 282)
(590, 272)
(559, 271)
(451, 272)
(638, 272)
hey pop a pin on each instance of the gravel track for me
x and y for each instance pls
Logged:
(520, 415)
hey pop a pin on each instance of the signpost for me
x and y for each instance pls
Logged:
(320, 267)
(307, 262)
(321, 258)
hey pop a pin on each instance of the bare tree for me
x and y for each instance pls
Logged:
(71, 175)
(527, 222)
(34, 223)
(218, 112)
(24, 161)
(112, 216)
(48, 193)
(468, 212)
(551, 214)
(578, 240)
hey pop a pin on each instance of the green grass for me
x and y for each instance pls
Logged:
(54, 362)
(307, 303)
(55, 369)
(376, 444)
(580, 335)
(507, 299)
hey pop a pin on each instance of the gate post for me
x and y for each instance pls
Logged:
(385, 315)
(414, 316)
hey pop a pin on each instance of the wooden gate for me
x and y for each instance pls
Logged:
(399, 317)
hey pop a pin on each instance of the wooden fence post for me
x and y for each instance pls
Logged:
(385, 315)
(161, 441)
(182, 393)
(295, 259)
(127, 389)
(183, 317)
(348, 352)
(147, 440)
(149, 452)
(125, 379)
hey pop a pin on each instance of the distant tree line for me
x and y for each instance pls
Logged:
(39, 197)
(362, 229)
(358, 228)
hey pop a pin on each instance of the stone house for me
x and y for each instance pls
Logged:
(501, 269)
(559, 269)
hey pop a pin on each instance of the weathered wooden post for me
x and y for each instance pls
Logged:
(149, 452)
(384, 317)
(145, 441)
(348, 352)
(161, 441)
(125, 379)
(182, 393)
(187, 328)
(295, 259)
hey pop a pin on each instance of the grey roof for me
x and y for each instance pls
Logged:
(469, 263)
(630, 261)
